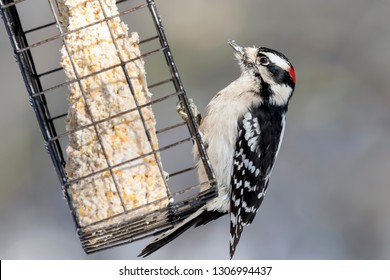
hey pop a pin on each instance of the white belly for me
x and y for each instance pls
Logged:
(219, 133)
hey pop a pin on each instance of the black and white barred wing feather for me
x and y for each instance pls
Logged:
(254, 156)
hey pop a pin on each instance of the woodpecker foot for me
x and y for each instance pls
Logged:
(183, 114)
(166, 176)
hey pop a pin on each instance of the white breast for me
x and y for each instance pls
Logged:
(219, 132)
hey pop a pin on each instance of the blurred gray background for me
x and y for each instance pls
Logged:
(329, 192)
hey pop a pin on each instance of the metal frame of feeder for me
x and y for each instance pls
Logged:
(94, 237)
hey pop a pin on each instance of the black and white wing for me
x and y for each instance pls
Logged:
(259, 135)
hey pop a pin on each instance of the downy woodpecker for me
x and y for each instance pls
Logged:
(242, 130)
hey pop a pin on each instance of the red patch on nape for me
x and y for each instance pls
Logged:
(291, 71)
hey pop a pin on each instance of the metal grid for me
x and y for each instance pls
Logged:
(166, 89)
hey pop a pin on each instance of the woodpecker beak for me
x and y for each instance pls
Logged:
(236, 47)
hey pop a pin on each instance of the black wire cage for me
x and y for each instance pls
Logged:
(36, 42)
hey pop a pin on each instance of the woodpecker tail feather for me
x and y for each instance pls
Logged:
(200, 217)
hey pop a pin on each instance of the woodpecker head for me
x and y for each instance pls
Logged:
(272, 68)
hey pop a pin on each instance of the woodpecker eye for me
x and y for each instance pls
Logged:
(264, 60)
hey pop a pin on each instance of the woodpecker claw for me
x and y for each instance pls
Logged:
(166, 176)
(183, 114)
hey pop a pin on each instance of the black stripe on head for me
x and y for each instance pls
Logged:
(267, 50)
(280, 75)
